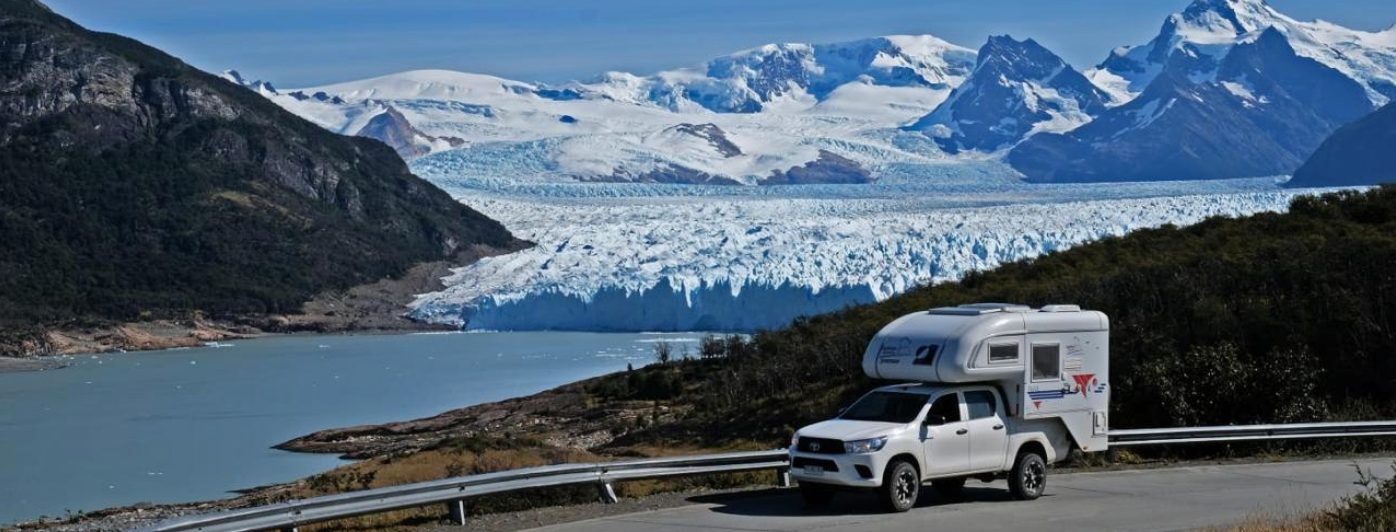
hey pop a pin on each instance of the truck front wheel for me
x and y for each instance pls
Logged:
(1028, 478)
(816, 495)
(900, 486)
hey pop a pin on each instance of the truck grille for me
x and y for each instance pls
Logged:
(820, 446)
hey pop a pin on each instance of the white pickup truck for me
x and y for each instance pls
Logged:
(999, 391)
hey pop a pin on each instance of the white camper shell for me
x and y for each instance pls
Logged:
(1052, 362)
(998, 391)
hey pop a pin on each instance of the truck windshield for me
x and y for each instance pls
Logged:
(891, 407)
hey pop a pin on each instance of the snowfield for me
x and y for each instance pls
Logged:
(696, 259)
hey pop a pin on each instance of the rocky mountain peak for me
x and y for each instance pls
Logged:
(1024, 59)
(1017, 89)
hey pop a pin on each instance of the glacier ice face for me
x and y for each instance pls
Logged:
(702, 259)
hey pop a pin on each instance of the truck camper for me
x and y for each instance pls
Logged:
(986, 391)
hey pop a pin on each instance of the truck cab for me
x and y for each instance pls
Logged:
(959, 421)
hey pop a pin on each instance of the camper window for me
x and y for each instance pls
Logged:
(1003, 353)
(1046, 362)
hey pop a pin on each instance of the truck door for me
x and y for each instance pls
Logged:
(946, 443)
(988, 434)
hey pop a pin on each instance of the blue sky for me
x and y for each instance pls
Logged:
(307, 42)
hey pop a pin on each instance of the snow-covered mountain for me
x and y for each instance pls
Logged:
(1017, 89)
(1225, 85)
(785, 113)
(1207, 29)
(795, 75)
(1229, 88)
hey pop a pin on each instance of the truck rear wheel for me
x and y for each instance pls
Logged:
(950, 488)
(901, 485)
(816, 495)
(1028, 479)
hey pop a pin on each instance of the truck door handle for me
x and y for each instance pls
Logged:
(962, 432)
(998, 427)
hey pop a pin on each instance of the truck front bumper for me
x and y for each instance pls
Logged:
(851, 470)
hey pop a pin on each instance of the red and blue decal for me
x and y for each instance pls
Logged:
(1083, 381)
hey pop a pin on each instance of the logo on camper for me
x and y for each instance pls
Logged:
(1083, 381)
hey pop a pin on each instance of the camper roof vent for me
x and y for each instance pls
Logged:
(1061, 308)
(975, 309)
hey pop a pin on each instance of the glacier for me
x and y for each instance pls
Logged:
(699, 258)
(716, 196)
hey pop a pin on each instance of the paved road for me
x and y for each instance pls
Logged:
(1157, 499)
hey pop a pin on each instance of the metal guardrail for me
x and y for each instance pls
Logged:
(454, 492)
(1239, 433)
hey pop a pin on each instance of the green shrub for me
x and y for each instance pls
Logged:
(1372, 510)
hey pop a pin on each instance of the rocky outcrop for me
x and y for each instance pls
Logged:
(392, 128)
(715, 136)
(828, 169)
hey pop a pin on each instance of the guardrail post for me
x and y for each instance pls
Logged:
(783, 477)
(607, 492)
(457, 509)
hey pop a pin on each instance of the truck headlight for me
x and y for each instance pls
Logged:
(870, 445)
(794, 440)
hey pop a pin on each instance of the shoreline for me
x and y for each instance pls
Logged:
(54, 361)
(24, 365)
(373, 308)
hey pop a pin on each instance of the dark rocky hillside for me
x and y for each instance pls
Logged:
(134, 186)
(1359, 153)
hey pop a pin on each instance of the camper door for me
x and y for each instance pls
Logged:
(1065, 372)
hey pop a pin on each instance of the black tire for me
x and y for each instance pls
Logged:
(1028, 479)
(950, 488)
(901, 485)
(816, 495)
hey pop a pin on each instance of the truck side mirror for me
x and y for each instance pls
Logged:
(933, 420)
